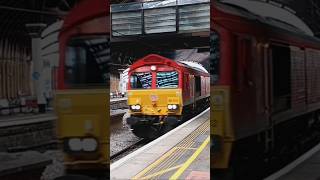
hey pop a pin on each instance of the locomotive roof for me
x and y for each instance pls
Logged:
(272, 25)
(272, 14)
(245, 13)
(157, 59)
(194, 65)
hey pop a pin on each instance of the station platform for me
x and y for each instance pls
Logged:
(118, 99)
(24, 119)
(183, 153)
(118, 103)
(21, 132)
(23, 165)
(306, 167)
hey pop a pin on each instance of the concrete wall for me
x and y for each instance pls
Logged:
(114, 82)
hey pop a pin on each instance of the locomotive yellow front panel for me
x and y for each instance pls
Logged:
(83, 125)
(221, 127)
(155, 101)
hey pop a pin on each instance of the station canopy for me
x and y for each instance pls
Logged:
(15, 15)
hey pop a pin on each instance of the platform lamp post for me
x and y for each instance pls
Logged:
(34, 31)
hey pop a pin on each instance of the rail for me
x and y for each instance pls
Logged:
(128, 148)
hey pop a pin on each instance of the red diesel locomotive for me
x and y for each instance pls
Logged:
(161, 91)
(82, 94)
(265, 90)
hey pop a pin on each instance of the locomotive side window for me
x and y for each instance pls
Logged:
(167, 79)
(281, 73)
(186, 85)
(141, 80)
(86, 62)
(198, 85)
(214, 57)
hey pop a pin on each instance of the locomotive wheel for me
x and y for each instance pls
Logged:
(166, 128)
(146, 131)
(169, 124)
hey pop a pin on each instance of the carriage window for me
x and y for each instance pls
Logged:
(214, 57)
(86, 62)
(167, 79)
(141, 80)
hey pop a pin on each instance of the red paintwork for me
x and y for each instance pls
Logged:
(85, 11)
(165, 64)
(249, 77)
(88, 17)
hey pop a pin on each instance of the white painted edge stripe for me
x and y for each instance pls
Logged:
(294, 164)
(118, 99)
(128, 157)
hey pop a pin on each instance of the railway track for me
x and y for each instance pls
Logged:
(128, 149)
(51, 145)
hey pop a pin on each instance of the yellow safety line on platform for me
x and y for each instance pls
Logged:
(178, 173)
(177, 155)
(138, 176)
(161, 172)
(184, 146)
(188, 148)
(186, 143)
(164, 164)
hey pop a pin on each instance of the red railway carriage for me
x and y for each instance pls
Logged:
(161, 91)
(265, 78)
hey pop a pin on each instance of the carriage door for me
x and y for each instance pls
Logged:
(280, 78)
(192, 90)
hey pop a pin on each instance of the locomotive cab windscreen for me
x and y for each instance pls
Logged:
(164, 80)
(86, 62)
(141, 80)
(167, 79)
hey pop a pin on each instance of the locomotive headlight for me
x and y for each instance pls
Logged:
(89, 144)
(136, 107)
(85, 144)
(75, 144)
(153, 68)
(172, 107)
